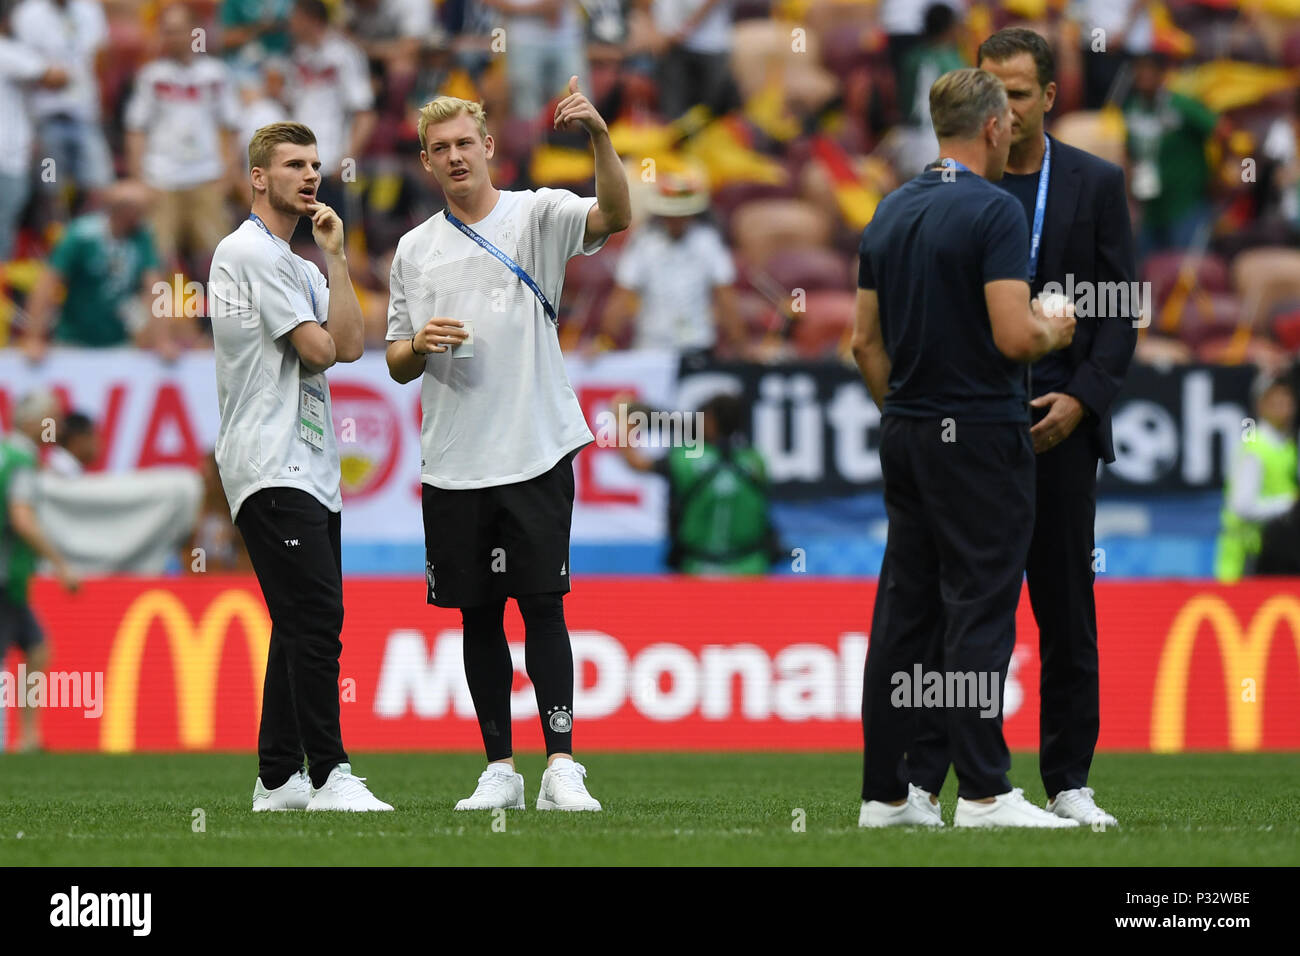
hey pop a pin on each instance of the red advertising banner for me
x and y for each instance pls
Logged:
(664, 664)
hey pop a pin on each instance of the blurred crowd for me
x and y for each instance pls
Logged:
(760, 134)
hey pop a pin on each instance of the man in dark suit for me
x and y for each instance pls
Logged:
(1083, 241)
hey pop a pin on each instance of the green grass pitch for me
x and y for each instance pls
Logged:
(660, 809)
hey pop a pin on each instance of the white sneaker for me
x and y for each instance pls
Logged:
(1009, 809)
(922, 799)
(342, 791)
(294, 794)
(1079, 805)
(878, 813)
(563, 788)
(498, 787)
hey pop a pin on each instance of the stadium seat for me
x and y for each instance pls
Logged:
(1286, 328)
(822, 331)
(810, 269)
(1093, 131)
(1162, 270)
(1291, 49)
(1207, 316)
(1265, 278)
(726, 199)
(760, 48)
(762, 227)
(1230, 350)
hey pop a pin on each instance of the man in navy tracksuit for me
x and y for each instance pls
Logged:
(1085, 243)
(944, 329)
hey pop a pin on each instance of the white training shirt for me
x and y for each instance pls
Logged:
(69, 37)
(259, 294)
(675, 283)
(20, 66)
(182, 108)
(507, 413)
(325, 87)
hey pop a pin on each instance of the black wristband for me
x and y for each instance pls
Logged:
(415, 350)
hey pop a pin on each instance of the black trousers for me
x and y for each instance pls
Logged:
(293, 542)
(1060, 577)
(960, 514)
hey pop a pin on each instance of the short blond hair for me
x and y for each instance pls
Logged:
(442, 108)
(262, 146)
(961, 101)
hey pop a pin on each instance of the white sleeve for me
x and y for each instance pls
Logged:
(250, 290)
(228, 108)
(722, 270)
(22, 486)
(400, 325)
(283, 301)
(629, 273)
(322, 287)
(98, 24)
(21, 64)
(564, 216)
(357, 94)
(416, 18)
(140, 107)
(1279, 142)
(1246, 501)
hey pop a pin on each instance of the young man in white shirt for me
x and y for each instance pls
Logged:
(501, 425)
(180, 122)
(277, 326)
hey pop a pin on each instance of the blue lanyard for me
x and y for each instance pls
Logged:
(1040, 208)
(1040, 203)
(310, 289)
(509, 263)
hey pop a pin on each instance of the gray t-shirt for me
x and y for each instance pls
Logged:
(507, 413)
(260, 292)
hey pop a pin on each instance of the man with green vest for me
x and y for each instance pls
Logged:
(23, 544)
(1262, 484)
(717, 494)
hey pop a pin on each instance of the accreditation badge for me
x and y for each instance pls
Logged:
(311, 415)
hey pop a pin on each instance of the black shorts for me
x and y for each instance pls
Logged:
(18, 626)
(487, 544)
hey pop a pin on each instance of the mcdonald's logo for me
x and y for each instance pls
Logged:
(1244, 656)
(196, 662)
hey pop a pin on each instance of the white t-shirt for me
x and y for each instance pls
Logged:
(325, 87)
(713, 35)
(68, 37)
(182, 108)
(507, 413)
(539, 31)
(675, 281)
(20, 65)
(260, 292)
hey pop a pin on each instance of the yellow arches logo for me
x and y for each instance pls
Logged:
(196, 663)
(1244, 656)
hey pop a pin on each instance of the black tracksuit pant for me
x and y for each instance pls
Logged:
(960, 517)
(1060, 577)
(293, 541)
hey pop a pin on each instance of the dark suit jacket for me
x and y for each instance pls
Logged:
(1086, 234)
